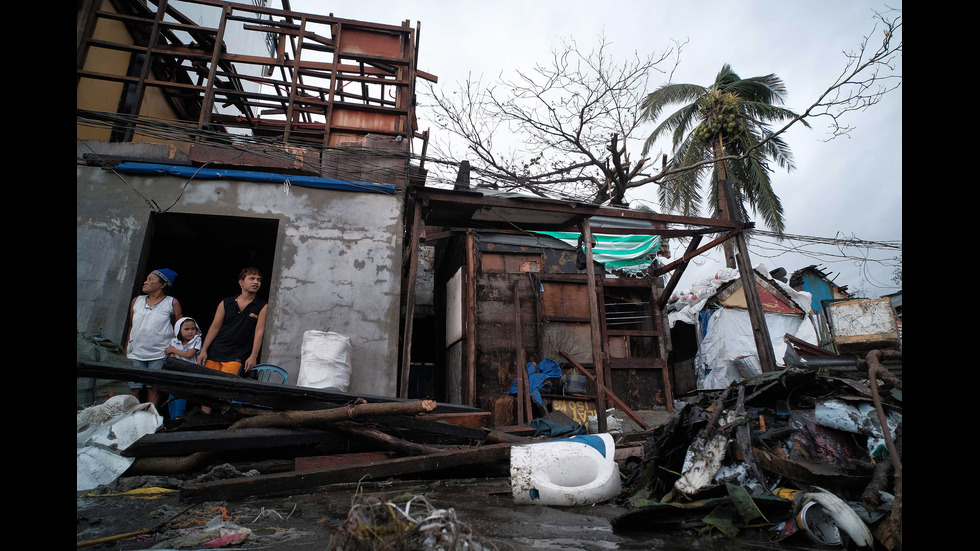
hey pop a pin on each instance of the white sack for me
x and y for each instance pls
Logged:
(325, 361)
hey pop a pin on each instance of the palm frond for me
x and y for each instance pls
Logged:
(757, 101)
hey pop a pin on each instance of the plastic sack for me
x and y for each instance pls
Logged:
(326, 361)
(103, 432)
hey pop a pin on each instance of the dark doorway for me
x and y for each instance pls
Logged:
(208, 252)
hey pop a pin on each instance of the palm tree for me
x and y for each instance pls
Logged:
(729, 118)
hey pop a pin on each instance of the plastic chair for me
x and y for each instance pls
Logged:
(266, 373)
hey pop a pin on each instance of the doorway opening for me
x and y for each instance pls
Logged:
(207, 252)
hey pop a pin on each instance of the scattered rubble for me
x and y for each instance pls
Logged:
(782, 441)
(784, 455)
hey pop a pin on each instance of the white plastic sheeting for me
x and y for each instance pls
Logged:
(861, 418)
(103, 431)
(728, 334)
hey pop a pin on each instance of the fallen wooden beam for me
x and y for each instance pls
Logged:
(612, 397)
(326, 417)
(211, 387)
(338, 460)
(193, 441)
(309, 480)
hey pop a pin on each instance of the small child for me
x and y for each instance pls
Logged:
(187, 340)
(185, 345)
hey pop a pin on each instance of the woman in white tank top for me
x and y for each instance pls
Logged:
(151, 325)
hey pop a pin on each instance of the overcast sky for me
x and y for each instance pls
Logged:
(846, 187)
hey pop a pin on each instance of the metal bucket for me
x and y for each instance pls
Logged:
(748, 366)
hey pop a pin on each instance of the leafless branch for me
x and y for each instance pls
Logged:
(566, 124)
(558, 119)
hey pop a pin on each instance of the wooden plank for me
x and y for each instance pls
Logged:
(480, 419)
(429, 426)
(338, 460)
(214, 388)
(308, 481)
(565, 300)
(469, 329)
(524, 412)
(187, 442)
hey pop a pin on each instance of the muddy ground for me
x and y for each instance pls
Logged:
(311, 521)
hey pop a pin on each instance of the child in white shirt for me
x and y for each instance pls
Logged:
(185, 345)
(187, 340)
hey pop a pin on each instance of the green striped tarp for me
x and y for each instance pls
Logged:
(632, 254)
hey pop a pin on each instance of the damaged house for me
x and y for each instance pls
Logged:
(214, 136)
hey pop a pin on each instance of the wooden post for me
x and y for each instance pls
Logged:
(413, 252)
(469, 327)
(661, 328)
(760, 331)
(757, 316)
(524, 411)
(597, 348)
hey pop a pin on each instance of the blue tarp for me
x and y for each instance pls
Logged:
(251, 176)
(537, 375)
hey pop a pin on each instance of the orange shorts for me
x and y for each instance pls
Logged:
(226, 367)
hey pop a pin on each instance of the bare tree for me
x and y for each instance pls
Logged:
(565, 125)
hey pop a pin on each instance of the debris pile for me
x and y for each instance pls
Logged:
(298, 438)
(796, 451)
(404, 523)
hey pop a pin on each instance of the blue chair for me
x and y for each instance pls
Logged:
(268, 373)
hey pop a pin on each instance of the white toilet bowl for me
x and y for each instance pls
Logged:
(580, 470)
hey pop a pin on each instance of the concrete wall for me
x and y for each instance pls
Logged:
(337, 262)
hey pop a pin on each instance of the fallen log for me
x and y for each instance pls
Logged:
(328, 416)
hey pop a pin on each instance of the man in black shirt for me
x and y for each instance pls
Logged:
(235, 336)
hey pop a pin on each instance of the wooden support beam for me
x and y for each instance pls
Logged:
(186, 442)
(661, 329)
(469, 328)
(681, 266)
(597, 348)
(413, 269)
(757, 316)
(612, 397)
(525, 413)
(760, 331)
